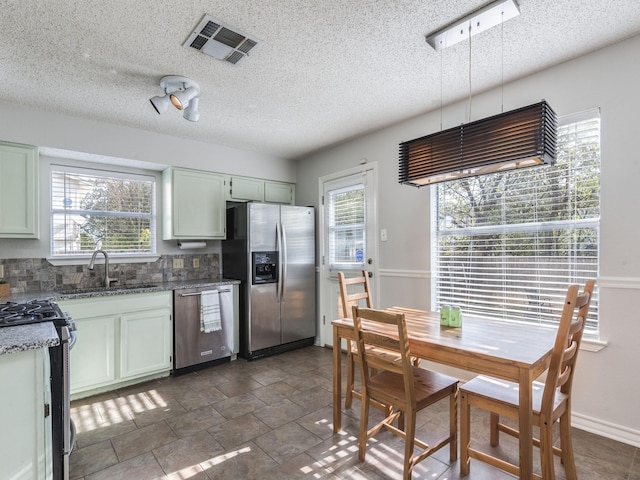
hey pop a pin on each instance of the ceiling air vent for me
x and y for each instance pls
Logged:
(221, 41)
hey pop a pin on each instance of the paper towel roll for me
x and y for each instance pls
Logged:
(191, 245)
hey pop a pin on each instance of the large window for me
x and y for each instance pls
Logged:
(93, 209)
(507, 245)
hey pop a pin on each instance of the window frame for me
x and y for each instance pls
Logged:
(108, 171)
(332, 229)
(594, 223)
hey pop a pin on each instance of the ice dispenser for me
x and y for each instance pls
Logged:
(265, 267)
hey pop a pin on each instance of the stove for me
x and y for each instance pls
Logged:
(34, 311)
(14, 314)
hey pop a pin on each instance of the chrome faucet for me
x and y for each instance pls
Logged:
(107, 280)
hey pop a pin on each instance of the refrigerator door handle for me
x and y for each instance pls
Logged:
(279, 284)
(285, 261)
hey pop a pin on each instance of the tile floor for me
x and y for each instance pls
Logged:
(271, 419)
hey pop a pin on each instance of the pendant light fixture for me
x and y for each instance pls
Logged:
(519, 138)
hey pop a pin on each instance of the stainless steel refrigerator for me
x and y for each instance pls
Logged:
(271, 250)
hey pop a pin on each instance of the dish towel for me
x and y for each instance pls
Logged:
(210, 320)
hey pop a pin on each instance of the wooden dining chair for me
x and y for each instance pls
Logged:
(384, 349)
(353, 291)
(551, 399)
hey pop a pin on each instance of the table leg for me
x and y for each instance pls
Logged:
(526, 425)
(337, 381)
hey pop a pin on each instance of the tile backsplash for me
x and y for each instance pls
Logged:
(35, 275)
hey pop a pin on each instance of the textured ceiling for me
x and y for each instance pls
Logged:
(326, 70)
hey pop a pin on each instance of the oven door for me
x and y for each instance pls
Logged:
(63, 430)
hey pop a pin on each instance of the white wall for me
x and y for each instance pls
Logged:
(608, 79)
(49, 129)
(126, 146)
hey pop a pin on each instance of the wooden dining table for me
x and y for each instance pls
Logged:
(508, 350)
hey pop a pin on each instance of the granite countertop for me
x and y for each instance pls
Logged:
(28, 337)
(71, 293)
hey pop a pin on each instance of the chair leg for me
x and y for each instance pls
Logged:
(350, 378)
(364, 426)
(494, 433)
(453, 426)
(409, 443)
(566, 445)
(401, 421)
(546, 448)
(465, 434)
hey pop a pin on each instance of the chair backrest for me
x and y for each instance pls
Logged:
(384, 346)
(567, 344)
(349, 297)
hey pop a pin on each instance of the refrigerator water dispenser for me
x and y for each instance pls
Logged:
(265, 267)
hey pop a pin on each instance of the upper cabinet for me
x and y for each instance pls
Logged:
(194, 205)
(18, 191)
(277, 192)
(243, 189)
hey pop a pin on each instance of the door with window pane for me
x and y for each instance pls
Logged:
(349, 220)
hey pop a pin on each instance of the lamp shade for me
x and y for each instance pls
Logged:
(181, 98)
(192, 113)
(519, 138)
(160, 103)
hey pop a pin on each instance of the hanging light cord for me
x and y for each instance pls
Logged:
(441, 75)
(469, 107)
(502, 64)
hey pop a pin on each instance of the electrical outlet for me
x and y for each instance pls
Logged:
(196, 263)
(178, 263)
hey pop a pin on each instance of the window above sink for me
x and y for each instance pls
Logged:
(111, 210)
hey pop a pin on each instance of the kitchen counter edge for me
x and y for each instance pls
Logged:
(39, 335)
(118, 290)
(27, 337)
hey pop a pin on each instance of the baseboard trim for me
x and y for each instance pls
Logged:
(606, 429)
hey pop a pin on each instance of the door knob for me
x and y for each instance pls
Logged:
(370, 274)
(369, 261)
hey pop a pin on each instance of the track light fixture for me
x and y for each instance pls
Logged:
(182, 93)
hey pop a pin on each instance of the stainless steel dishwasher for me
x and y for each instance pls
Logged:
(196, 346)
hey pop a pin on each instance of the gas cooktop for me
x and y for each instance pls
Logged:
(35, 311)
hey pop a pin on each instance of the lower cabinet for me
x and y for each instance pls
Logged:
(93, 357)
(120, 338)
(145, 343)
(25, 441)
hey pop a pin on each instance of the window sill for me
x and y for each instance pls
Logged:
(113, 258)
(592, 344)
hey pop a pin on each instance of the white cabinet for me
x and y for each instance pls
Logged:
(277, 192)
(193, 205)
(145, 342)
(120, 338)
(25, 451)
(18, 191)
(245, 189)
(93, 358)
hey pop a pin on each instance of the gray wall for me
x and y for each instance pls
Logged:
(129, 147)
(608, 79)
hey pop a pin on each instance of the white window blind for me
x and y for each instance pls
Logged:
(345, 209)
(96, 209)
(507, 245)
